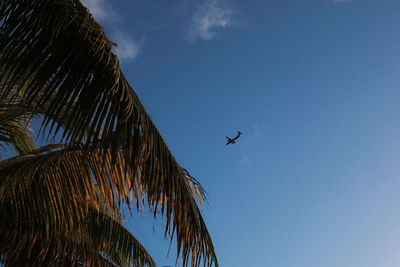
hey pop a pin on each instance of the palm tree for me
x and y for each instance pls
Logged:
(59, 202)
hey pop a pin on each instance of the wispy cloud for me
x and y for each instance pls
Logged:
(101, 10)
(250, 138)
(257, 130)
(211, 16)
(245, 158)
(127, 48)
(104, 13)
(243, 150)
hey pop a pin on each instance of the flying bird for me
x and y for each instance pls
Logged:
(233, 140)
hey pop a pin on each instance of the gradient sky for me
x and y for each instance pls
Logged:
(314, 85)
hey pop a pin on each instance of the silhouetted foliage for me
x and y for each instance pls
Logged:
(59, 202)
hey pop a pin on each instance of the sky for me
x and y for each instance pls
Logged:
(314, 87)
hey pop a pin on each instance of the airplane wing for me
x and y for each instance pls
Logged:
(237, 136)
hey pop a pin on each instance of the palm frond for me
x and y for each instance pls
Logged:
(116, 242)
(58, 54)
(75, 175)
(108, 243)
(32, 215)
(14, 128)
(35, 249)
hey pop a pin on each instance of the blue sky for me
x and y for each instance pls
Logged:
(314, 87)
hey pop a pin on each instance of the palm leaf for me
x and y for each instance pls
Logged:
(59, 54)
(107, 243)
(33, 213)
(76, 176)
(14, 128)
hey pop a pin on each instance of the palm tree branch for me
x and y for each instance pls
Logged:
(29, 205)
(65, 56)
(107, 242)
(76, 174)
(14, 127)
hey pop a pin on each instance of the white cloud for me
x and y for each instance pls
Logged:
(257, 130)
(251, 137)
(245, 158)
(212, 15)
(101, 10)
(104, 13)
(243, 145)
(127, 48)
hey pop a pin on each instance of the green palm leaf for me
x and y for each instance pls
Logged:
(62, 60)
(108, 243)
(14, 128)
(34, 178)
(34, 221)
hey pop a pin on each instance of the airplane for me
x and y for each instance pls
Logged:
(233, 140)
